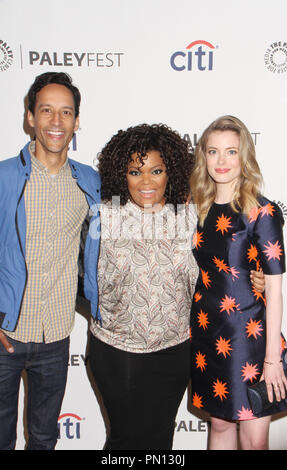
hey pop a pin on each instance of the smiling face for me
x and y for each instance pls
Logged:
(54, 121)
(147, 182)
(222, 160)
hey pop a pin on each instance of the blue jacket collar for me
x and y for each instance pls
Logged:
(25, 162)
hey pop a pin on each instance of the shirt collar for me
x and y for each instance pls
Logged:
(38, 165)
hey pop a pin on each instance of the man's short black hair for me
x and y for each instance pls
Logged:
(47, 78)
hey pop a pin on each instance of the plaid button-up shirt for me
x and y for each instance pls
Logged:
(55, 210)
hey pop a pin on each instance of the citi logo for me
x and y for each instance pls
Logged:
(69, 426)
(199, 55)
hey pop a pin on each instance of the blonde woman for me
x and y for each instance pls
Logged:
(235, 330)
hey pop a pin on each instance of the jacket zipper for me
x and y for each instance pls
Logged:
(97, 319)
(20, 243)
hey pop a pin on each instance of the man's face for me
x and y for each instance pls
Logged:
(54, 120)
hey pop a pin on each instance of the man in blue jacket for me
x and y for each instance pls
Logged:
(44, 199)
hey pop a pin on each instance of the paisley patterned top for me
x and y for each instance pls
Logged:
(146, 275)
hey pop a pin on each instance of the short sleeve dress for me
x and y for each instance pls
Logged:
(228, 314)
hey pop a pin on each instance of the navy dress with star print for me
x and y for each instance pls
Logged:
(228, 316)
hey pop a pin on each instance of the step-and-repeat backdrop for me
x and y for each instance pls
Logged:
(181, 63)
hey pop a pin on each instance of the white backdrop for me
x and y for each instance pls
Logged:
(182, 63)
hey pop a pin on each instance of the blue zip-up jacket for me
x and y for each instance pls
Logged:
(14, 174)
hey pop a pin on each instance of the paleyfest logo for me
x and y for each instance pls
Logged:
(275, 57)
(6, 56)
(75, 59)
(199, 55)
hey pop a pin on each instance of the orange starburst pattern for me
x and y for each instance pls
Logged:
(223, 346)
(220, 264)
(254, 328)
(267, 210)
(252, 253)
(197, 401)
(245, 414)
(197, 239)
(258, 295)
(223, 224)
(273, 251)
(234, 273)
(283, 344)
(228, 304)
(220, 389)
(200, 361)
(205, 278)
(202, 319)
(249, 372)
(253, 214)
(197, 297)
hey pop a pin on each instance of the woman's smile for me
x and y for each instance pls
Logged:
(147, 182)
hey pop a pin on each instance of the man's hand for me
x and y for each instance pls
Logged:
(4, 341)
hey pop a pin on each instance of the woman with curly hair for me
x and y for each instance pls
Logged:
(140, 351)
(139, 354)
(235, 331)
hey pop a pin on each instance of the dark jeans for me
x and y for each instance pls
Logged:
(141, 393)
(46, 366)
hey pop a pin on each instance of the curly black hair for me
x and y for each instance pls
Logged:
(175, 151)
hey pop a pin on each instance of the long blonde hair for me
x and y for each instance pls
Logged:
(203, 188)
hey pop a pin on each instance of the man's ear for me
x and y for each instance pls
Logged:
(30, 119)
(77, 123)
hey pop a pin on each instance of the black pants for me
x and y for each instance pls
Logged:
(141, 393)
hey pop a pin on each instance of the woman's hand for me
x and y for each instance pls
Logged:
(275, 379)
